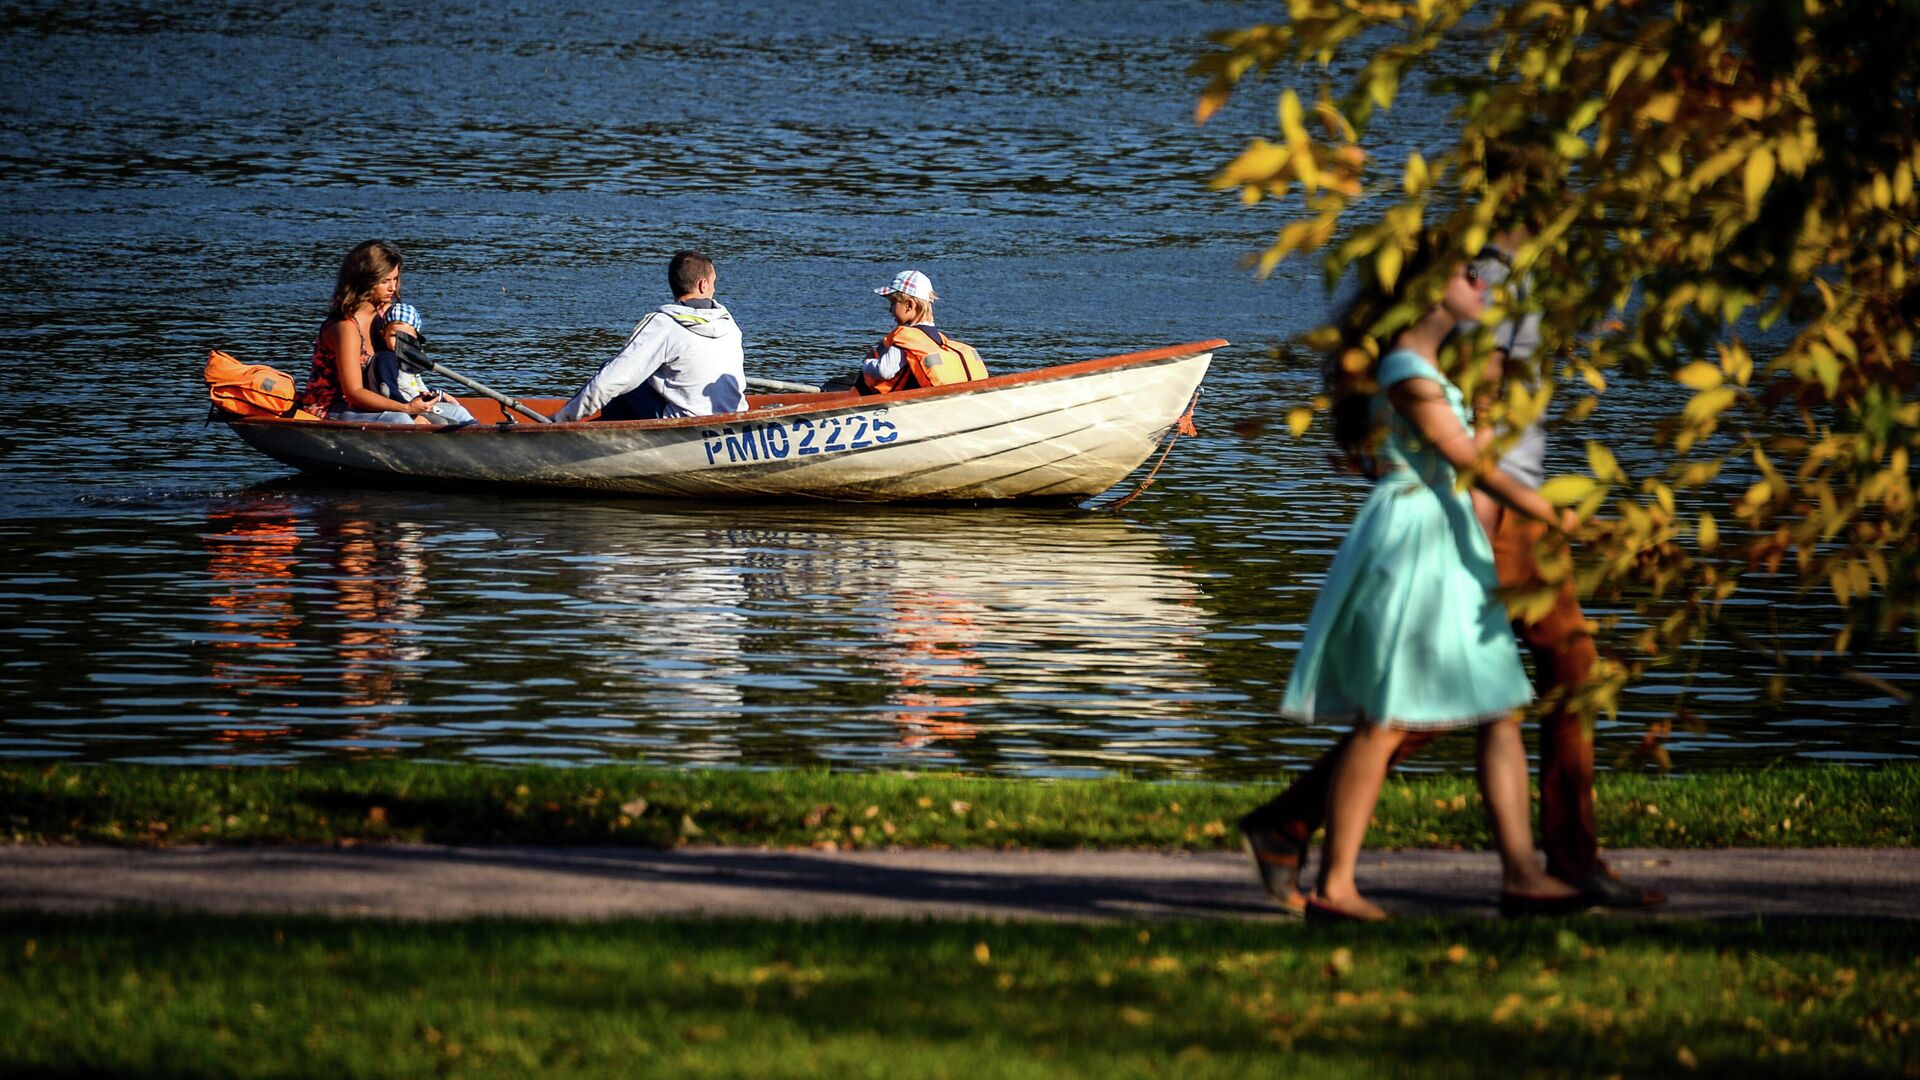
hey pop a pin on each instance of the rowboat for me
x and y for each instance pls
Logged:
(1063, 432)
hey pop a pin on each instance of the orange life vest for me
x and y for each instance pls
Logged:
(251, 389)
(932, 359)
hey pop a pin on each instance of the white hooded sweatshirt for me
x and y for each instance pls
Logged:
(691, 355)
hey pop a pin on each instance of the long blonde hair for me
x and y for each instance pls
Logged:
(360, 271)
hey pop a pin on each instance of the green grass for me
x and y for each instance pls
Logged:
(176, 996)
(123, 804)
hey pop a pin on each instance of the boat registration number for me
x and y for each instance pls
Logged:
(777, 440)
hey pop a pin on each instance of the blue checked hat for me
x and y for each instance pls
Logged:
(405, 313)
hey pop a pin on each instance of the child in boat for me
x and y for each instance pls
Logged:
(915, 354)
(390, 377)
(369, 282)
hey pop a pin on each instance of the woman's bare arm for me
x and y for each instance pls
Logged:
(1424, 406)
(353, 387)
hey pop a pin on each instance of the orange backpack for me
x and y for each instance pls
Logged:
(251, 389)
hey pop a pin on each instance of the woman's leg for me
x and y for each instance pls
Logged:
(1503, 784)
(373, 417)
(1355, 788)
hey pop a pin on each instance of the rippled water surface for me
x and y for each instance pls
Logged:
(188, 175)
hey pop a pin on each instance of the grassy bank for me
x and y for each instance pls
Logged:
(155, 995)
(629, 805)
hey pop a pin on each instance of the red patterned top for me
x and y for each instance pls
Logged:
(323, 381)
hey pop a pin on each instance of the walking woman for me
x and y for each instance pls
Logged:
(1407, 634)
(337, 385)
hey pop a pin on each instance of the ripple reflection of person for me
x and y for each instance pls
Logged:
(379, 583)
(251, 555)
(933, 659)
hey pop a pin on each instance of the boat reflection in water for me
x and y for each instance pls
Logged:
(989, 639)
(887, 635)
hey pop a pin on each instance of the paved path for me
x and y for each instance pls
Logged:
(433, 882)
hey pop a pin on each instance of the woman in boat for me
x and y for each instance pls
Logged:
(337, 385)
(915, 353)
(1407, 634)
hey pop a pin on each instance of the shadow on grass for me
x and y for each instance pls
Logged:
(1779, 998)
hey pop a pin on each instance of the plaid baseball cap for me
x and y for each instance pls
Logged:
(405, 313)
(910, 283)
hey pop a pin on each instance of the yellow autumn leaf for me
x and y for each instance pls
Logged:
(1415, 180)
(1298, 420)
(1708, 532)
(1604, 465)
(1736, 362)
(1699, 375)
(1567, 490)
(1590, 505)
(1387, 264)
(1709, 404)
(1841, 342)
(1618, 70)
(1210, 101)
(1291, 120)
(1659, 107)
(1826, 366)
(1757, 177)
(1381, 86)
(1697, 474)
(1663, 495)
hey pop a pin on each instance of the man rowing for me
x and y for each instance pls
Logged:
(682, 360)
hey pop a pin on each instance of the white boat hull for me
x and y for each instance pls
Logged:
(1064, 432)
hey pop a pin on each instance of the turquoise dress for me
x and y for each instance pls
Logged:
(1407, 630)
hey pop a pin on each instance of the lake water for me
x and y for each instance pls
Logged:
(182, 176)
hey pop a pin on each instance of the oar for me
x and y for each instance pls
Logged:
(416, 360)
(781, 387)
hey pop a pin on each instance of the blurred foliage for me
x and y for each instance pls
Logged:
(1717, 193)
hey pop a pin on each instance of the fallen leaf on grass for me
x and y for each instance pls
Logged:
(1340, 962)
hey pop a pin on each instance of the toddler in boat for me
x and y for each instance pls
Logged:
(390, 377)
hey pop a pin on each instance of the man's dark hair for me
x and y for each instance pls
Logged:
(686, 270)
